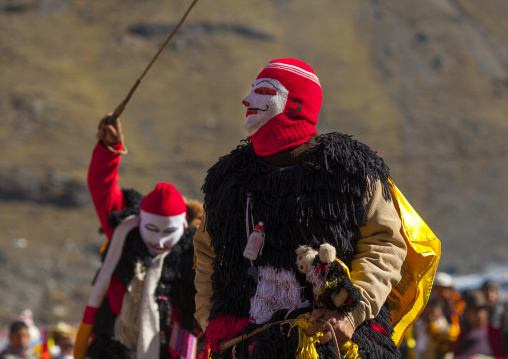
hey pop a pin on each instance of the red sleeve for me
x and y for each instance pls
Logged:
(103, 184)
(115, 294)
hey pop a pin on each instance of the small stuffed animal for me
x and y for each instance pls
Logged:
(329, 278)
(334, 290)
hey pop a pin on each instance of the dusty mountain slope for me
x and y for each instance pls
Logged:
(424, 83)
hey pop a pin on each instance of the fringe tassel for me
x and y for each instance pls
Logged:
(222, 329)
(374, 338)
(350, 351)
(105, 347)
(177, 283)
(132, 200)
(306, 344)
(277, 289)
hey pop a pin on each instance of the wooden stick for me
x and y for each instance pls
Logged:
(241, 338)
(119, 109)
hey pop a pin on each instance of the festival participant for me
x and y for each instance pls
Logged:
(143, 295)
(19, 343)
(478, 337)
(448, 297)
(434, 334)
(297, 188)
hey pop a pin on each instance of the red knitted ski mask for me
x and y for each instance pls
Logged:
(283, 106)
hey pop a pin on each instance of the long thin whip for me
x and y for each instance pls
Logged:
(119, 109)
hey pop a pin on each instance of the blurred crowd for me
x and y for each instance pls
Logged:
(28, 341)
(467, 325)
(463, 325)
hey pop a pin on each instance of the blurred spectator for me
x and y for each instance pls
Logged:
(498, 314)
(449, 299)
(19, 343)
(408, 345)
(26, 316)
(63, 336)
(434, 334)
(492, 291)
(477, 336)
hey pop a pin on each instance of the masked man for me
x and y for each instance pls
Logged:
(143, 295)
(306, 190)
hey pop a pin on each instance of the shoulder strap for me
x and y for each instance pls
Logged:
(111, 260)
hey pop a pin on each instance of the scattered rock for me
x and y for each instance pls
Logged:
(195, 31)
(22, 184)
(19, 243)
(421, 37)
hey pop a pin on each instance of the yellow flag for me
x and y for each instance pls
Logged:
(409, 297)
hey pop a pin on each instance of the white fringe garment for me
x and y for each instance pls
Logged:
(277, 289)
(127, 323)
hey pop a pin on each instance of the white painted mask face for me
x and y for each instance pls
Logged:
(161, 233)
(267, 99)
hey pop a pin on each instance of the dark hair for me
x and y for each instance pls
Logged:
(491, 284)
(17, 326)
(475, 299)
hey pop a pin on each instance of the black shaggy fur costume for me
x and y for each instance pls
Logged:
(319, 200)
(176, 284)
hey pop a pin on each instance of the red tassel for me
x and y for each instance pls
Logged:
(379, 328)
(222, 329)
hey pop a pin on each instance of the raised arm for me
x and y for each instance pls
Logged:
(103, 173)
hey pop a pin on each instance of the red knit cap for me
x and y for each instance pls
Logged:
(296, 124)
(164, 200)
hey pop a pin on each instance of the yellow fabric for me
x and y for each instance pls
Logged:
(409, 297)
(50, 341)
(38, 349)
(350, 351)
(306, 344)
(345, 267)
(103, 247)
(82, 338)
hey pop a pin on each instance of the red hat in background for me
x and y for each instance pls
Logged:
(164, 200)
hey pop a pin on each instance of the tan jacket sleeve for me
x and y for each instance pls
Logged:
(204, 256)
(381, 251)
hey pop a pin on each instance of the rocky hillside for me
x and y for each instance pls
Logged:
(423, 82)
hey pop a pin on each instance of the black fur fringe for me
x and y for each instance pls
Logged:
(373, 344)
(104, 347)
(132, 200)
(177, 282)
(134, 250)
(104, 324)
(319, 200)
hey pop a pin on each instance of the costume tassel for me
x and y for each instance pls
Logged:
(306, 344)
(350, 351)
